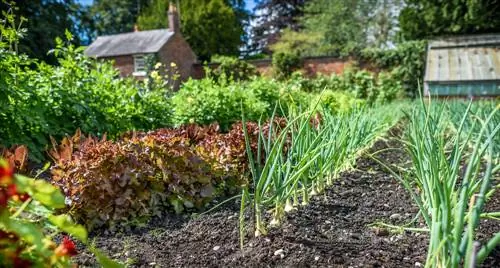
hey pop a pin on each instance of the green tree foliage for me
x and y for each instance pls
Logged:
(114, 16)
(210, 26)
(271, 17)
(341, 28)
(154, 16)
(343, 24)
(428, 18)
(46, 20)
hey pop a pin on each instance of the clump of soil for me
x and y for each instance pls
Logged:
(332, 231)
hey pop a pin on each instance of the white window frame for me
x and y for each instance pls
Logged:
(139, 65)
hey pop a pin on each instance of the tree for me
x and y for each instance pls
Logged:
(341, 28)
(422, 19)
(46, 20)
(114, 16)
(272, 16)
(210, 26)
(343, 24)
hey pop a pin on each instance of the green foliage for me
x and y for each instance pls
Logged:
(154, 16)
(114, 16)
(421, 19)
(45, 20)
(39, 100)
(28, 223)
(407, 62)
(284, 64)
(300, 43)
(211, 27)
(205, 101)
(337, 101)
(232, 69)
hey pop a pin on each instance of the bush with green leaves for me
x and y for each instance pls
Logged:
(232, 69)
(284, 64)
(406, 61)
(205, 101)
(40, 100)
(29, 221)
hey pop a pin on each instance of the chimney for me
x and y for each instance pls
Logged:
(173, 19)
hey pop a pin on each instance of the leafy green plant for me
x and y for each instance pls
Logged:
(28, 224)
(232, 69)
(406, 61)
(284, 64)
(40, 100)
(205, 101)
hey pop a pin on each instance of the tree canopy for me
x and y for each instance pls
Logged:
(45, 20)
(270, 18)
(422, 19)
(210, 26)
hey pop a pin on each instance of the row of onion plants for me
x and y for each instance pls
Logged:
(301, 159)
(451, 180)
(478, 111)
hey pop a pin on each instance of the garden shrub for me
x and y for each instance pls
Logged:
(284, 64)
(233, 69)
(337, 101)
(39, 100)
(205, 102)
(406, 60)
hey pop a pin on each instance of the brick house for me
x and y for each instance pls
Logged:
(128, 50)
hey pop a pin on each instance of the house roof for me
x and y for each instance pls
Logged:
(129, 43)
(463, 58)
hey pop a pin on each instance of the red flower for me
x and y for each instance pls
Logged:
(11, 190)
(6, 174)
(66, 248)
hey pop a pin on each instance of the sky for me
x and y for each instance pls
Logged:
(250, 4)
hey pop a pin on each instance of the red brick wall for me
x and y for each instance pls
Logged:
(124, 64)
(311, 66)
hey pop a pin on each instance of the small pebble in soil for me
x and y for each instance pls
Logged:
(418, 264)
(316, 258)
(216, 248)
(280, 252)
(395, 217)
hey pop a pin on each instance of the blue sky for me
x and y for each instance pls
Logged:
(250, 4)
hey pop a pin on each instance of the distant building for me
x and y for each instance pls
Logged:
(463, 66)
(128, 50)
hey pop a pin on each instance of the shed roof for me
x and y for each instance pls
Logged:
(129, 43)
(467, 58)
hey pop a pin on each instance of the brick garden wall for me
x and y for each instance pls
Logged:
(311, 66)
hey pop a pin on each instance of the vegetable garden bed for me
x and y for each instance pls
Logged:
(334, 230)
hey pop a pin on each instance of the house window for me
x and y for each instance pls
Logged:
(139, 65)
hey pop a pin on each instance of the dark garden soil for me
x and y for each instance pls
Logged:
(332, 231)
